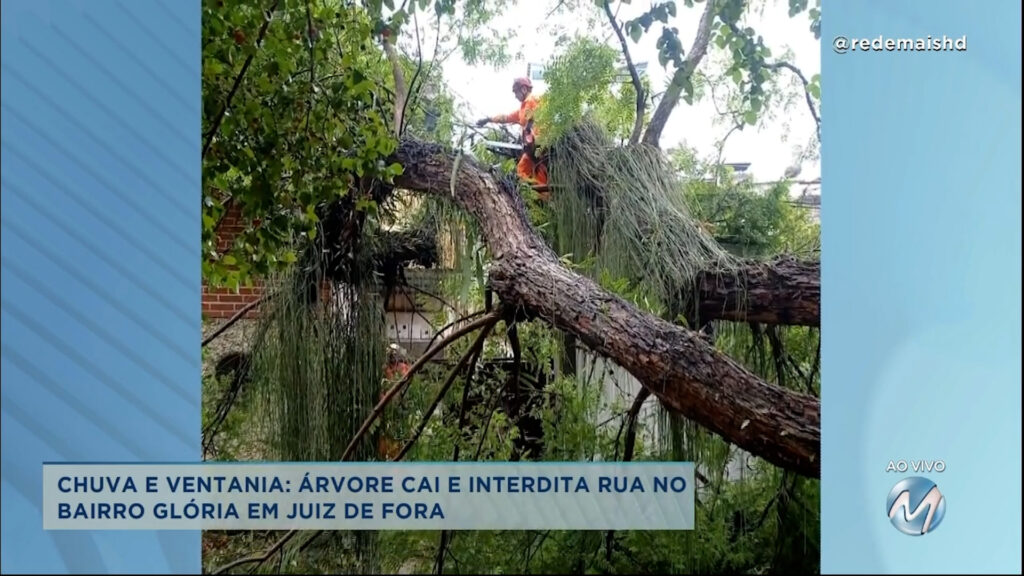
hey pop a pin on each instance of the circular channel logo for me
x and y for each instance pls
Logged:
(916, 506)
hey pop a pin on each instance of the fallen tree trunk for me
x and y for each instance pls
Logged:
(688, 375)
(783, 291)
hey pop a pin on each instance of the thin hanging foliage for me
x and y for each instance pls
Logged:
(620, 212)
(318, 373)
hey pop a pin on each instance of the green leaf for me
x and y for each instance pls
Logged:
(366, 205)
(213, 67)
(311, 213)
(635, 31)
(750, 117)
(815, 91)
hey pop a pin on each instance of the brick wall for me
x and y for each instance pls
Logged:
(225, 302)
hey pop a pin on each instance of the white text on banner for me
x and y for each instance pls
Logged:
(369, 496)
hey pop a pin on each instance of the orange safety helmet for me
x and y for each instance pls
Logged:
(520, 82)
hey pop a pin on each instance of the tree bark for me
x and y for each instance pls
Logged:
(675, 89)
(807, 94)
(784, 291)
(638, 122)
(687, 374)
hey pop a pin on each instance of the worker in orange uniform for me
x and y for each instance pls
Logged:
(397, 367)
(529, 168)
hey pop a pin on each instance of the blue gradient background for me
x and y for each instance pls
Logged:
(921, 274)
(921, 284)
(100, 261)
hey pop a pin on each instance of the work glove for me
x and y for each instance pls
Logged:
(482, 122)
(530, 146)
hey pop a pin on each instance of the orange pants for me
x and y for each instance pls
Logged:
(536, 174)
(388, 449)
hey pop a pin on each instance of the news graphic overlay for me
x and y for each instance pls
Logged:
(641, 496)
(916, 506)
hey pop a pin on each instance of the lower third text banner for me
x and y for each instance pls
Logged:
(369, 496)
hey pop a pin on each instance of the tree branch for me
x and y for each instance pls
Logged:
(231, 321)
(470, 355)
(807, 94)
(631, 419)
(638, 123)
(675, 89)
(627, 455)
(238, 81)
(429, 295)
(737, 125)
(782, 291)
(688, 375)
(401, 91)
(492, 406)
(464, 406)
(414, 95)
(419, 68)
(407, 379)
(474, 354)
(442, 330)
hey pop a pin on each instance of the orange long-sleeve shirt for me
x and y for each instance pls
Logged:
(521, 116)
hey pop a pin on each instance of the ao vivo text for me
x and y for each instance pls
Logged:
(916, 466)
